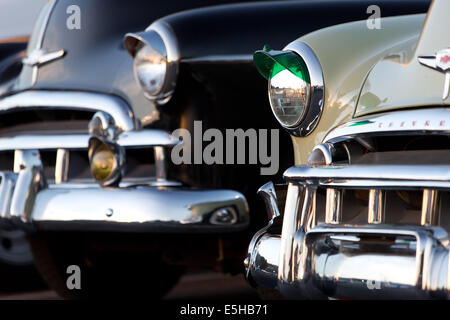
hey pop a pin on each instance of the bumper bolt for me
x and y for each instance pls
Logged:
(109, 212)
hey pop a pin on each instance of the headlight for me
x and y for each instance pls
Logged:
(295, 85)
(150, 69)
(156, 58)
(289, 97)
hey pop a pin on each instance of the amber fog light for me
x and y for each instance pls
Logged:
(106, 162)
(103, 164)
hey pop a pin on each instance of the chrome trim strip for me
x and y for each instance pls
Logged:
(44, 142)
(160, 163)
(133, 139)
(147, 138)
(333, 208)
(430, 120)
(115, 106)
(430, 205)
(317, 94)
(376, 207)
(46, 13)
(371, 176)
(62, 166)
(41, 57)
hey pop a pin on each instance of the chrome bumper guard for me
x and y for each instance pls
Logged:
(337, 260)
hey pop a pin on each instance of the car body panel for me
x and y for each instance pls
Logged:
(416, 85)
(100, 39)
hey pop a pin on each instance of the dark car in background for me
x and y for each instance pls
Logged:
(90, 133)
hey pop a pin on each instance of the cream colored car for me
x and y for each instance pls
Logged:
(367, 206)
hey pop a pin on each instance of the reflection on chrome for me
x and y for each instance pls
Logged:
(355, 260)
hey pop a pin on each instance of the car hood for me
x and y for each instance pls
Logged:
(95, 59)
(400, 81)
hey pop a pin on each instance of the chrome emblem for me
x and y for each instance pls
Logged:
(440, 62)
(39, 57)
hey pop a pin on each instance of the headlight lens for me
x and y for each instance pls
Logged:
(150, 68)
(289, 96)
(289, 84)
(103, 163)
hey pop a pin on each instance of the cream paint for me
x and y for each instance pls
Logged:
(415, 84)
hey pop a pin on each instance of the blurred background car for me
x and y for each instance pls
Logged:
(17, 19)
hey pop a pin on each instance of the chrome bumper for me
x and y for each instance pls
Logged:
(332, 259)
(27, 202)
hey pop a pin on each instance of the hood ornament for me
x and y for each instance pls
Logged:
(40, 57)
(440, 62)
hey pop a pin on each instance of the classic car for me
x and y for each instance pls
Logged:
(93, 133)
(366, 212)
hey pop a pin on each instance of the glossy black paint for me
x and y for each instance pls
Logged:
(245, 28)
(95, 58)
(11, 54)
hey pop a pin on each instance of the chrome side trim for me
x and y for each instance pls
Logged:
(371, 176)
(430, 120)
(317, 94)
(114, 106)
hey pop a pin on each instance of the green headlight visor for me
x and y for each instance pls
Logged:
(270, 62)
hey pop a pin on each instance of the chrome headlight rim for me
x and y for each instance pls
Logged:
(314, 109)
(132, 41)
(312, 112)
